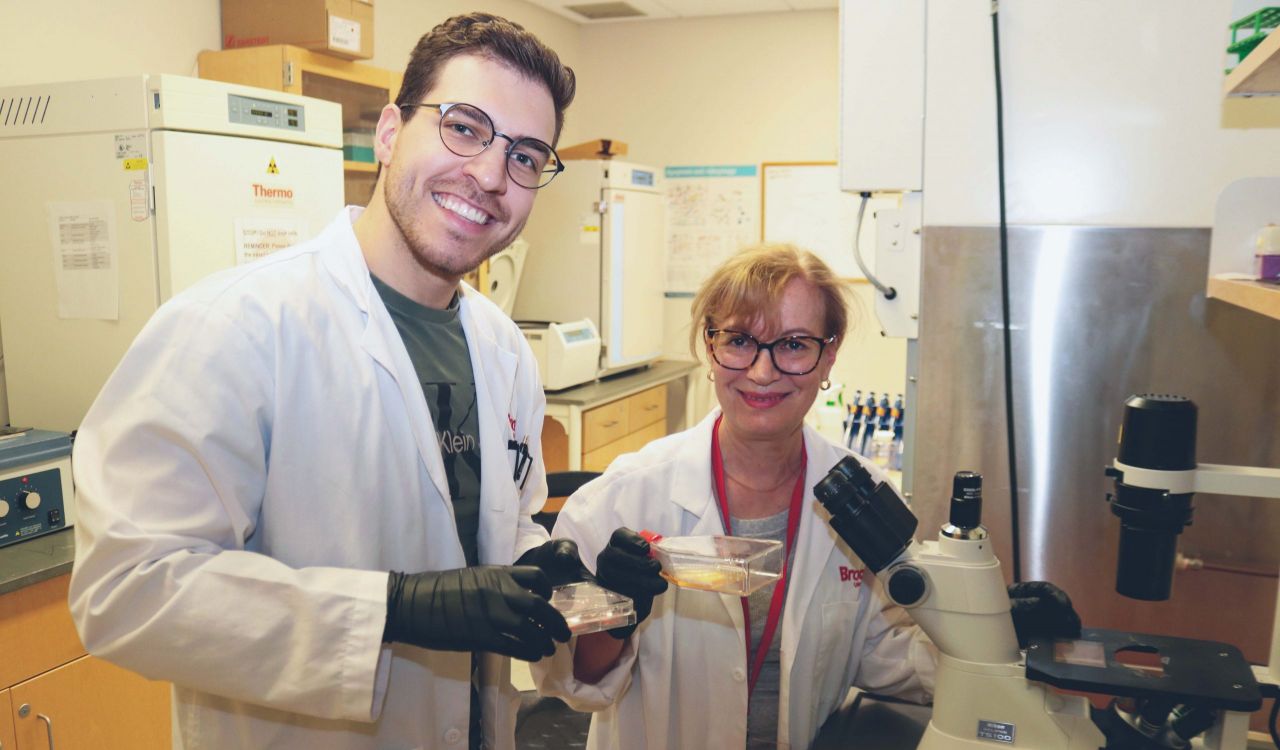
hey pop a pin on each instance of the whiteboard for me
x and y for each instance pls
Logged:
(802, 203)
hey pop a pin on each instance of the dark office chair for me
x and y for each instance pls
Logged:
(561, 484)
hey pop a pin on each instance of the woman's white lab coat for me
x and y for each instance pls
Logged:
(259, 460)
(681, 681)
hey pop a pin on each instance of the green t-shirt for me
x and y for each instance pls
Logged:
(437, 347)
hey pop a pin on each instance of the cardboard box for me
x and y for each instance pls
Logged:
(337, 27)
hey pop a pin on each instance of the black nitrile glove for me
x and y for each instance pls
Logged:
(1042, 610)
(502, 609)
(624, 566)
(559, 560)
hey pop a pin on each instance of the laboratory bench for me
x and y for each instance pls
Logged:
(589, 425)
(52, 693)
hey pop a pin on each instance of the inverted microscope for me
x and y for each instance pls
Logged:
(990, 693)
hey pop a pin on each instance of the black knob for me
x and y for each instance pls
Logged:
(907, 586)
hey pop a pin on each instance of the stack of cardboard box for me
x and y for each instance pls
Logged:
(343, 28)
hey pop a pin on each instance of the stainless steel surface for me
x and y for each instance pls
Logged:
(1097, 315)
(36, 560)
(617, 386)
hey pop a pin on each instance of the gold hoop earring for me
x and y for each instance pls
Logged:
(826, 384)
(711, 376)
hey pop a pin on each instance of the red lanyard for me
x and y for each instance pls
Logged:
(779, 589)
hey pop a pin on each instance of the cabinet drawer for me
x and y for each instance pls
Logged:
(6, 722)
(93, 704)
(36, 631)
(604, 424)
(640, 438)
(647, 407)
(600, 458)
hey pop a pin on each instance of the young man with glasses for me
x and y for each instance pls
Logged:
(283, 434)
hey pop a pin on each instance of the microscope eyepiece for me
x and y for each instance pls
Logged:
(868, 515)
(1158, 432)
(966, 500)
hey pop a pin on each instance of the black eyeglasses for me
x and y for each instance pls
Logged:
(791, 355)
(467, 131)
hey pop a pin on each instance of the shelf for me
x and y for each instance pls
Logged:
(360, 166)
(1259, 73)
(1262, 298)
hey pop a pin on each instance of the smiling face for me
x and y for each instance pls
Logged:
(761, 403)
(453, 211)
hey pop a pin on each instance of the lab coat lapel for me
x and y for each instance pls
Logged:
(381, 341)
(694, 490)
(494, 369)
(815, 543)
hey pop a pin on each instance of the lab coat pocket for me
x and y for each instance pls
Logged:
(837, 631)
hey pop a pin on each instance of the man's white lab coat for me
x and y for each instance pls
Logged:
(259, 460)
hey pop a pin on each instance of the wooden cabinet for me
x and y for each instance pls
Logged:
(54, 690)
(622, 426)
(90, 703)
(362, 90)
(7, 741)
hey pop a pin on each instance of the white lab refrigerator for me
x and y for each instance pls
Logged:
(120, 193)
(597, 250)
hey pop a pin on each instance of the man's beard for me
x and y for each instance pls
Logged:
(403, 208)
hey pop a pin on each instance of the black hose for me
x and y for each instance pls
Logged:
(1015, 533)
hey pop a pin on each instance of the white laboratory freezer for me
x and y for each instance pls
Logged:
(120, 193)
(597, 250)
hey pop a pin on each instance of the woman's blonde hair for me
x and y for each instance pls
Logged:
(747, 287)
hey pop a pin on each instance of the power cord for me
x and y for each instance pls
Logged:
(1015, 534)
(888, 291)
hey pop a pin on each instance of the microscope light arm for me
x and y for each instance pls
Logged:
(1217, 479)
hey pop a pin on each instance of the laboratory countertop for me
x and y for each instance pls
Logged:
(619, 386)
(36, 560)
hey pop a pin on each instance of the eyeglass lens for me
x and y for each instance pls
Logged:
(793, 355)
(467, 131)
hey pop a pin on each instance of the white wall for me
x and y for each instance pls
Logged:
(1113, 113)
(400, 23)
(741, 89)
(61, 40)
(71, 39)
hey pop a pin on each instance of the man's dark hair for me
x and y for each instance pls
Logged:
(493, 37)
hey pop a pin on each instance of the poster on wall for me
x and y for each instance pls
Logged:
(712, 212)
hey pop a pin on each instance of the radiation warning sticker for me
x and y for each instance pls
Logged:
(272, 168)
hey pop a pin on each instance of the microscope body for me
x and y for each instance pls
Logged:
(982, 695)
(954, 590)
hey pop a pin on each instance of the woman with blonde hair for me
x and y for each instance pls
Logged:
(707, 670)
